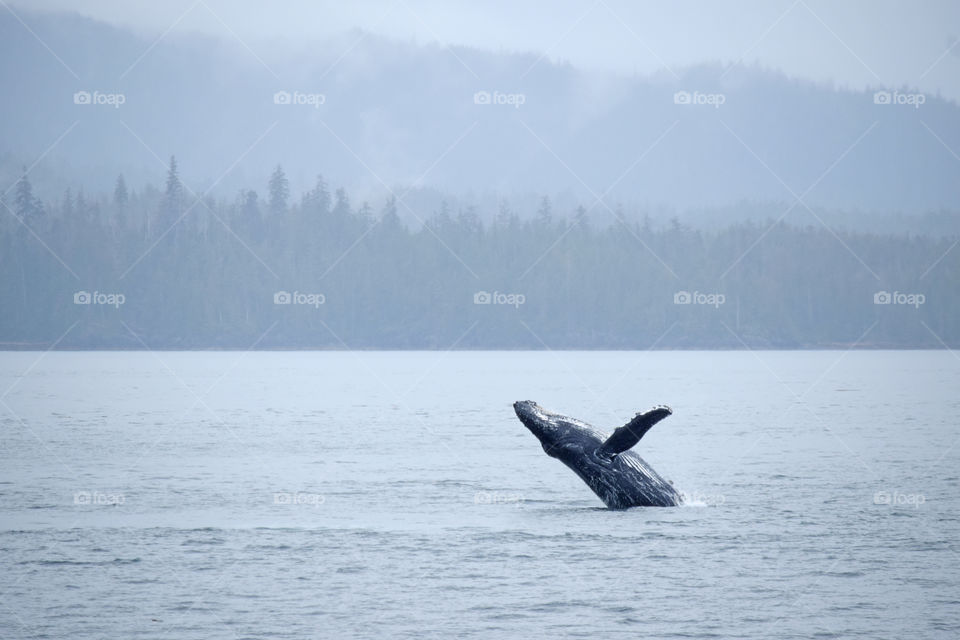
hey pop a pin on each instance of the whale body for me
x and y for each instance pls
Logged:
(617, 475)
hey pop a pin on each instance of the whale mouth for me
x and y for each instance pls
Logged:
(530, 410)
(525, 406)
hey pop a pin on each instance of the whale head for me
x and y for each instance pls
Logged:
(542, 423)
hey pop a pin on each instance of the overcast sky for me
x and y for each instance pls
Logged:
(857, 44)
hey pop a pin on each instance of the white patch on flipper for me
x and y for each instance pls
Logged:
(654, 408)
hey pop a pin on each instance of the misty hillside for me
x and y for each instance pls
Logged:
(403, 115)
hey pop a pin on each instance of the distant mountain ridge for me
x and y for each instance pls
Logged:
(459, 121)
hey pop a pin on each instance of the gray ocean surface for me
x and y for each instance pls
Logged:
(395, 494)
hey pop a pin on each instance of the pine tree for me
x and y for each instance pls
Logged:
(504, 215)
(318, 197)
(545, 212)
(120, 195)
(342, 206)
(389, 219)
(251, 207)
(469, 221)
(441, 221)
(81, 207)
(580, 217)
(173, 196)
(279, 191)
(365, 214)
(66, 207)
(25, 205)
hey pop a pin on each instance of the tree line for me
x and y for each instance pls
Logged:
(168, 268)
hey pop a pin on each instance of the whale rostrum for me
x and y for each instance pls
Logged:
(616, 474)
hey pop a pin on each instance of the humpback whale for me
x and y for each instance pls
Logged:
(617, 475)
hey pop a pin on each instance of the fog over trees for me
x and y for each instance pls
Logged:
(188, 192)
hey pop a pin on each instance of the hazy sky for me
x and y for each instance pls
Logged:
(856, 44)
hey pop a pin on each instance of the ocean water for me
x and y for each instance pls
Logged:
(395, 494)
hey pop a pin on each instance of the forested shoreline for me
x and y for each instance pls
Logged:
(169, 269)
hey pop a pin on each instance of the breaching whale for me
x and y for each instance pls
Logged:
(617, 475)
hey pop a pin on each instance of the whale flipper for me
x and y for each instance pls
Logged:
(629, 434)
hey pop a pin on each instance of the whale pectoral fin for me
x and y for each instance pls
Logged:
(629, 434)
